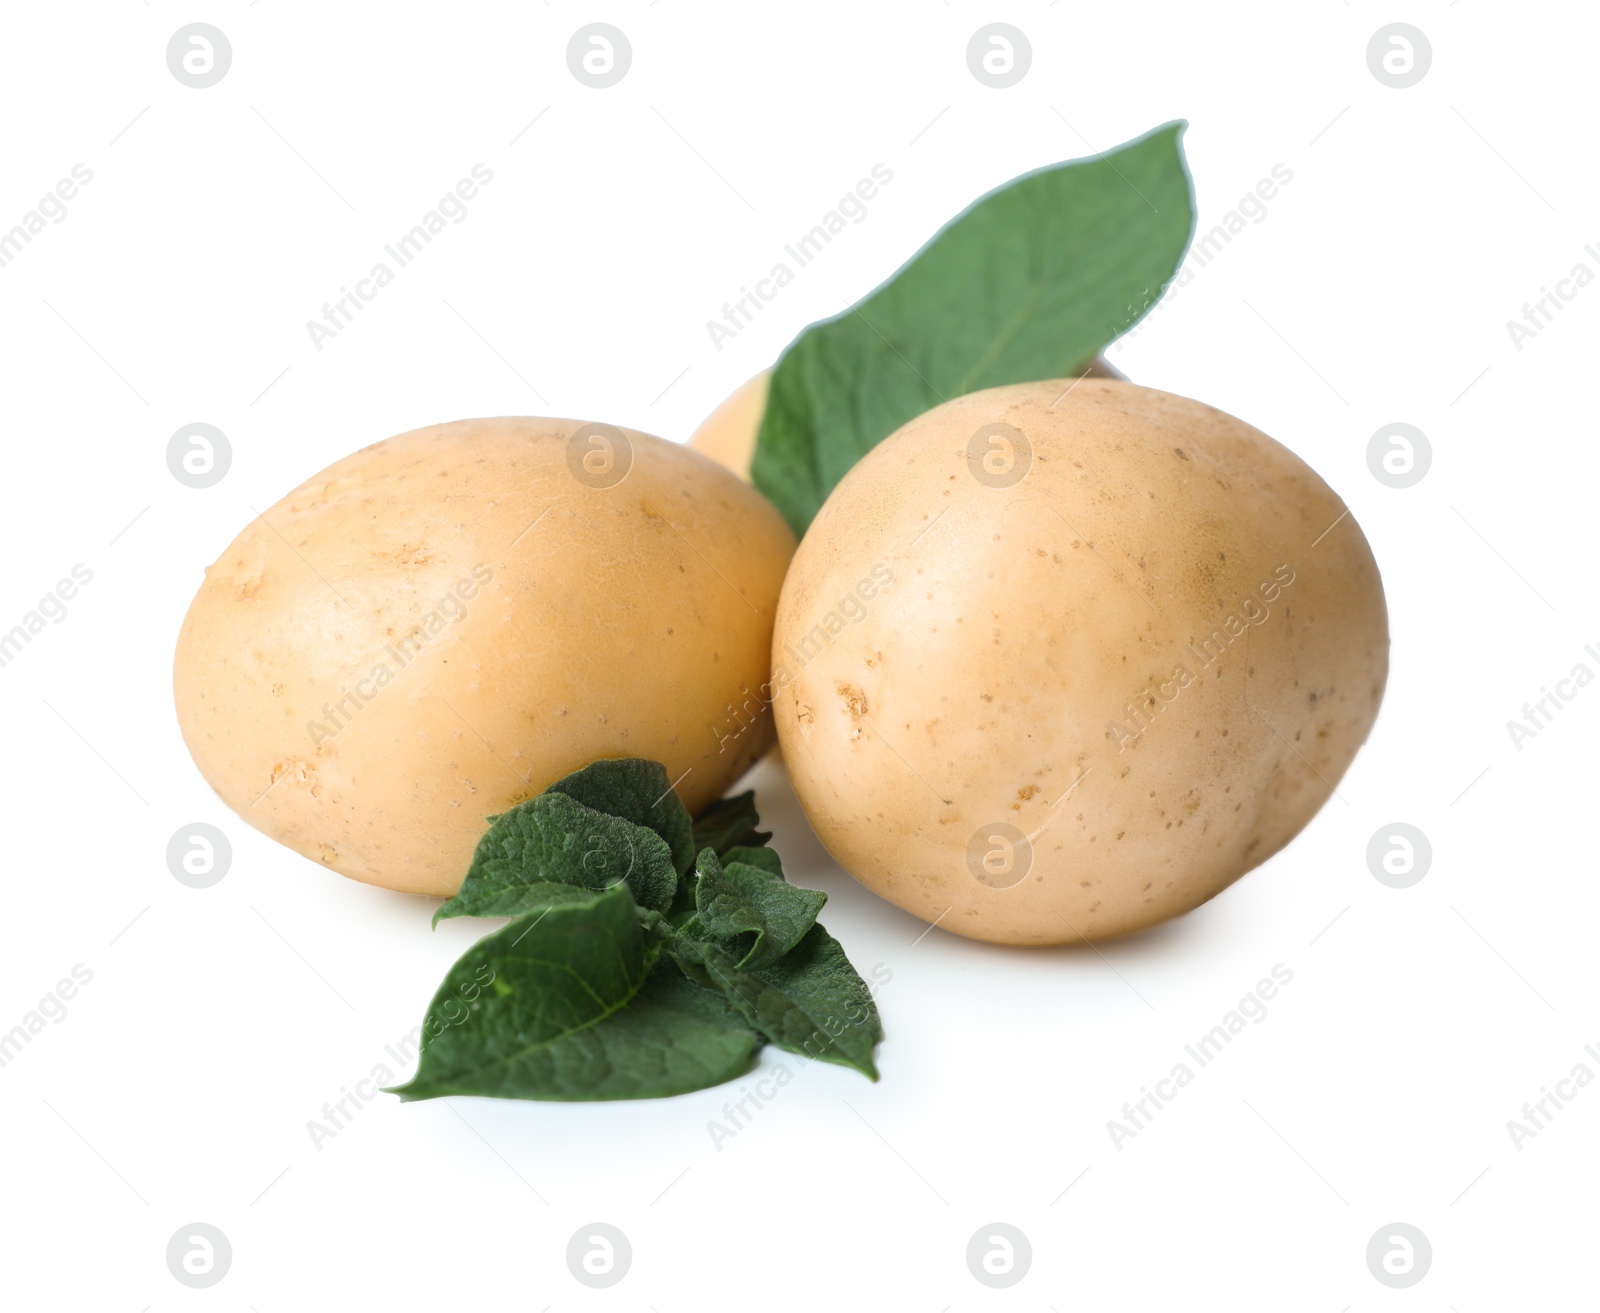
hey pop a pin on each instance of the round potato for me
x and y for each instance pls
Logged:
(1059, 661)
(443, 624)
(728, 433)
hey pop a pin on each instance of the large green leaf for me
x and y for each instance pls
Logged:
(1028, 283)
(569, 1003)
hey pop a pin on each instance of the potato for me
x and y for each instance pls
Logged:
(728, 433)
(445, 623)
(1059, 661)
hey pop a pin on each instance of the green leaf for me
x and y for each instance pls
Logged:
(809, 1001)
(637, 791)
(511, 900)
(728, 823)
(766, 858)
(1028, 283)
(554, 839)
(568, 1004)
(625, 975)
(752, 914)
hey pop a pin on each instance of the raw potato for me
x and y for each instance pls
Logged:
(728, 433)
(1063, 697)
(445, 623)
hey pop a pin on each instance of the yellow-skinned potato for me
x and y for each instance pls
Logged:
(443, 624)
(1059, 661)
(728, 433)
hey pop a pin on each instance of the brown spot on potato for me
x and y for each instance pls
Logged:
(853, 701)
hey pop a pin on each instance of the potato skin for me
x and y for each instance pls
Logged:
(444, 623)
(1153, 655)
(728, 433)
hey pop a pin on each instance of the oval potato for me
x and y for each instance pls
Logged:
(1058, 661)
(444, 623)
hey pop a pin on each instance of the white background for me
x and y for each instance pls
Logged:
(1419, 1021)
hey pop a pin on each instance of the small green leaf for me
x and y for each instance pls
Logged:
(1028, 283)
(766, 858)
(752, 914)
(554, 839)
(637, 791)
(569, 1004)
(728, 823)
(512, 900)
(809, 1001)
